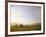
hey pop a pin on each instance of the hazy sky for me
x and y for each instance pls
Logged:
(25, 14)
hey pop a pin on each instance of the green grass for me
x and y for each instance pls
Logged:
(33, 27)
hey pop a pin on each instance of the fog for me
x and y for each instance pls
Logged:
(25, 14)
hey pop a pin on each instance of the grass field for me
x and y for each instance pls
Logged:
(21, 27)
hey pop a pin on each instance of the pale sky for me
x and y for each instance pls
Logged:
(25, 14)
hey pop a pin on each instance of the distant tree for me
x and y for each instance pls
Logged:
(26, 25)
(21, 25)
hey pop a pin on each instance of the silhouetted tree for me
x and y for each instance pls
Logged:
(21, 25)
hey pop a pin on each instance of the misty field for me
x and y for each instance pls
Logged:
(14, 27)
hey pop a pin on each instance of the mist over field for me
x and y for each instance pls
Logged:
(25, 18)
